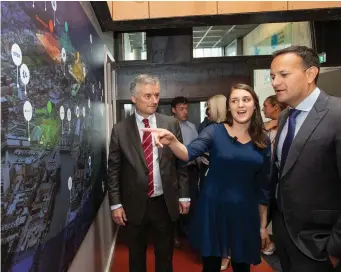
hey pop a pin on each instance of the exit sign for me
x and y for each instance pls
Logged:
(323, 57)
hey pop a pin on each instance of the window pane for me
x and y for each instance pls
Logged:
(255, 39)
(133, 46)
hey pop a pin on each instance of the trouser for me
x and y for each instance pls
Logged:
(158, 221)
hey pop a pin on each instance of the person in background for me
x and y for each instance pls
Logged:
(272, 109)
(189, 132)
(231, 213)
(205, 122)
(216, 110)
(147, 188)
(306, 169)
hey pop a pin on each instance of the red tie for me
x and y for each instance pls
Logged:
(147, 145)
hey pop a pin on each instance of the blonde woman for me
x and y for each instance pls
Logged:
(216, 113)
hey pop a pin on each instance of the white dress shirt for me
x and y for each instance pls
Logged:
(305, 106)
(158, 190)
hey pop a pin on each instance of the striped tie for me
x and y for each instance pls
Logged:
(147, 145)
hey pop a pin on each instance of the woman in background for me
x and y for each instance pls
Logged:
(231, 212)
(271, 109)
(216, 113)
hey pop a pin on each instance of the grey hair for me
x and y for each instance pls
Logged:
(144, 79)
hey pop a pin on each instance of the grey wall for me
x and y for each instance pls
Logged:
(330, 81)
(95, 253)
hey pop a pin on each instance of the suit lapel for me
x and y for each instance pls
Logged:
(136, 139)
(281, 124)
(160, 123)
(314, 117)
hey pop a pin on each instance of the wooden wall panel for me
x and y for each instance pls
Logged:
(159, 9)
(110, 7)
(124, 10)
(294, 5)
(228, 7)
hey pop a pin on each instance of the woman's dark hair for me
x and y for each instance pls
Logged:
(273, 101)
(256, 129)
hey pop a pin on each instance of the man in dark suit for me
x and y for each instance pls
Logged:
(147, 186)
(306, 169)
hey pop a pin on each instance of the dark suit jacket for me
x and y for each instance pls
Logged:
(310, 184)
(127, 177)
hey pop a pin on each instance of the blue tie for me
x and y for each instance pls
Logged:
(293, 113)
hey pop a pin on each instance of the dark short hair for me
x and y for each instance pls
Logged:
(179, 100)
(308, 55)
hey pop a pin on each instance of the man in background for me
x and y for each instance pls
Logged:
(189, 132)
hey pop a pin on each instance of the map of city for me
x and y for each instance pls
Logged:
(53, 158)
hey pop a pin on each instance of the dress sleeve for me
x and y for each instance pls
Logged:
(202, 143)
(263, 178)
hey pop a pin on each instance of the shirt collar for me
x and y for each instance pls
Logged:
(308, 103)
(139, 118)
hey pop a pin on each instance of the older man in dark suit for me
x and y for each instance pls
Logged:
(147, 186)
(306, 170)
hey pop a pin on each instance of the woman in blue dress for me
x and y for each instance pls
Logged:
(230, 216)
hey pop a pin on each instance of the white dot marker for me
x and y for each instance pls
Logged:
(69, 185)
(89, 103)
(93, 88)
(68, 116)
(83, 111)
(77, 111)
(24, 75)
(63, 57)
(62, 116)
(54, 7)
(89, 162)
(28, 113)
(17, 58)
(84, 71)
(91, 43)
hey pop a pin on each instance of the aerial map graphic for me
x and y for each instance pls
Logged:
(53, 158)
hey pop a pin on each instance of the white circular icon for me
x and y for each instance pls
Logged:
(54, 5)
(83, 111)
(89, 161)
(69, 183)
(84, 71)
(63, 55)
(68, 115)
(16, 54)
(28, 112)
(77, 111)
(24, 74)
(61, 113)
(90, 38)
(93, 88)
(89, 103)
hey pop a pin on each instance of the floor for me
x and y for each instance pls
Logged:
(183, 261)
